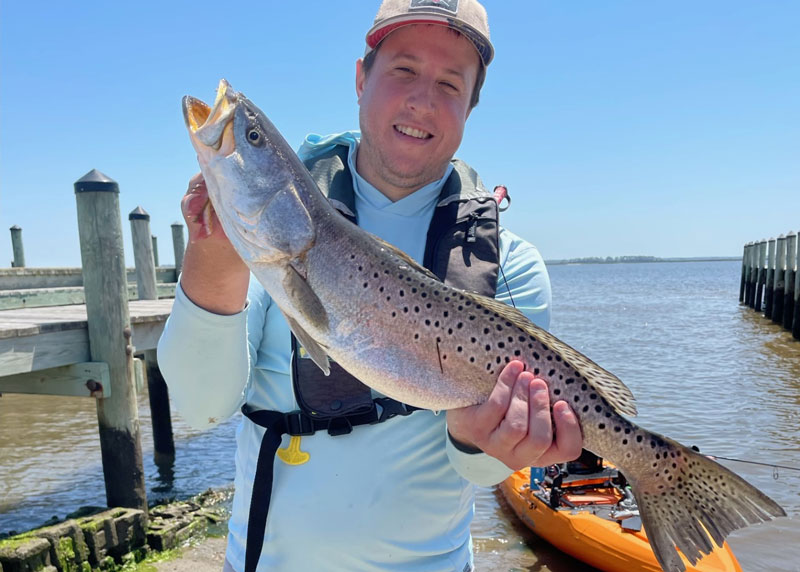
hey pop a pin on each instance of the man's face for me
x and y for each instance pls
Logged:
(413, 105)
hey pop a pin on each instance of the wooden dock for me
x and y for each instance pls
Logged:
(37, 339)
(91, 332)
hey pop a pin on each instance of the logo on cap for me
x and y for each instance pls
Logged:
(443, 5)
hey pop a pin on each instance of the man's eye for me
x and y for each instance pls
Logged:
(449, 86)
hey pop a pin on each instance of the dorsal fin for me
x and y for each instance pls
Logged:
(605, 383)
(404, 257)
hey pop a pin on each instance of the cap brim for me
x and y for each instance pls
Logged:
(378, 32)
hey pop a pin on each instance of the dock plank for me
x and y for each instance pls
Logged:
(32, 339)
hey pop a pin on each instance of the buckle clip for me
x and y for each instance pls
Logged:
(298, 423)
(339, 426)
(390, 408)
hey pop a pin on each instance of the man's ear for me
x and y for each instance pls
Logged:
(360, 77)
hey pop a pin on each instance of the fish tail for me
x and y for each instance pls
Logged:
(686, 501)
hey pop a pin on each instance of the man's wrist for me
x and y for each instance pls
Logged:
(463, 447)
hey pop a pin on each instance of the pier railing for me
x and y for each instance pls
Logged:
(92, 331)
(770, 280)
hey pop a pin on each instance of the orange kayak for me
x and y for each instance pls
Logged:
(590, 524)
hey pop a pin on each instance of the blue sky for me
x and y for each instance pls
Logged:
(619, 127)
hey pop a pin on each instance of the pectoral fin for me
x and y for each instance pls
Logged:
(306, 302)
(316, 352)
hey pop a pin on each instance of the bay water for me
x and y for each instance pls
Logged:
(705, 371)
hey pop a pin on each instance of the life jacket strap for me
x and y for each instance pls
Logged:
(278, 424)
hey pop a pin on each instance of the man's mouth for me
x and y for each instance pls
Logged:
(412, 132)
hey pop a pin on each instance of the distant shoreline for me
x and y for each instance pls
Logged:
(638, 260)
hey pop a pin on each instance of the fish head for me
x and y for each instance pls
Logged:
(243, 159)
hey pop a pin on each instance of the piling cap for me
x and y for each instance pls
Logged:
(15, 227)
(176, 223)
(138, 214)
(94, 181)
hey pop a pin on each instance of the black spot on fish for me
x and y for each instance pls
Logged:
(557, 391)
(536, 371)
(598, 408)
(535, 355)
(601, 426)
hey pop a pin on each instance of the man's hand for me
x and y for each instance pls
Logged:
(214, 276)
(201, 220)
(515, 424)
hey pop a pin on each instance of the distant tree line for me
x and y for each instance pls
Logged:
(623, 259)
(606, 260)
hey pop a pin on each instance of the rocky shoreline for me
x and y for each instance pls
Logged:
(115, 539)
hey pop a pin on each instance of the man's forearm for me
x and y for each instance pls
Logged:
(214, 277)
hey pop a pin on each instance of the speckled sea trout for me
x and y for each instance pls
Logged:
(388, 321)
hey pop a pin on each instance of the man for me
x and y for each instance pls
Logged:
(393, 495)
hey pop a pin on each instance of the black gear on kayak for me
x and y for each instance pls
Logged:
(461, 248)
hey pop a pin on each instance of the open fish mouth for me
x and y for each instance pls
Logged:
(212, 126)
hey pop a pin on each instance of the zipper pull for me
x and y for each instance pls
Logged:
(473, 227)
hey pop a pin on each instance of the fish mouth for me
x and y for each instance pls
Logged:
(209, 125)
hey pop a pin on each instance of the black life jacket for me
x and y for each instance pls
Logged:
(462, 249)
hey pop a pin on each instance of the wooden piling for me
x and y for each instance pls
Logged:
(178, 246)
(109, 328)
(155, 250)
(163, 441)
(769, 286)
(788, 290)
(16, 247)
(778, 284)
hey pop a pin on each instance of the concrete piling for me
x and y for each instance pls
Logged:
(743, 281)
(769, 285)
(778, 285)
(105, 287)
(761, 273)
(789, 279)
(771, 273)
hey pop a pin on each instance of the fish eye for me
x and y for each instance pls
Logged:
(254, 137)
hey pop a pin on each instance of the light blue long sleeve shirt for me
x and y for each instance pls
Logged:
(392, 496)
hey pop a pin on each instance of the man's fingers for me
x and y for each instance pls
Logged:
(491, 413)
(514, 426)
(569, 439)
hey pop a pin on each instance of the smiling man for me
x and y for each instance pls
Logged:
(352, 480)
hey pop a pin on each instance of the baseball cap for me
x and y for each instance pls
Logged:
(466, 16)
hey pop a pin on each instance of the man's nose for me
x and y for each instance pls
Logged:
(422, 98)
